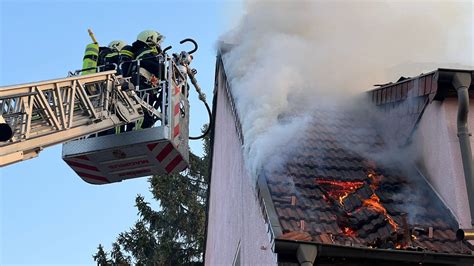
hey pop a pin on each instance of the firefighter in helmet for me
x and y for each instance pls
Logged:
(117, 55)
(116, 52)
(147, 48)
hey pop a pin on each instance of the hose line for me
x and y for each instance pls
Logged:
(202, 97)
(208, 127)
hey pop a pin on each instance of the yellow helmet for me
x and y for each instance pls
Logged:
(151, 37)
(117, 45)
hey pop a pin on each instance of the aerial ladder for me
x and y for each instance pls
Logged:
(73, 110)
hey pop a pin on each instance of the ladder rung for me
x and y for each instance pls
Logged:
(18, 95)
(7, 115)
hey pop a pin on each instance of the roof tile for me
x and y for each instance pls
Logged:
(366, 212)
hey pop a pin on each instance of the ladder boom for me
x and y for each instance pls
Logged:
(50, 112)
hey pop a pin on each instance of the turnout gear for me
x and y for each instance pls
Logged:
(147, 49)
(112, 57)
(149, 57)
(116, 53)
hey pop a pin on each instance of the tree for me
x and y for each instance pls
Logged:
(117, 257)
(173, 234)
(101, 256)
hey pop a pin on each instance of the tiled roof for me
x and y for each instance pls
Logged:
(334, 190)
(404, 102)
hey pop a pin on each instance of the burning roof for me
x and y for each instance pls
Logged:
(336, 192)
(330, 193)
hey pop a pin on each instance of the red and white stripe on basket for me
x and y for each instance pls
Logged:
(168, 156)
(86, 169)
(176, 115)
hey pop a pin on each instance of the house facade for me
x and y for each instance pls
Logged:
(426, 109)
(237, 233)
(333, 205)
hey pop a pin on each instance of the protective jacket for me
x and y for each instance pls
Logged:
(143, 51)
(149, 65)
(108, 57)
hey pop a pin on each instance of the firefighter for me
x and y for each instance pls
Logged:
(116, 52)
(110, 58)
(147, 47)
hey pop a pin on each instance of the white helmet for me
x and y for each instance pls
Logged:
(150, 37)
(117, 45)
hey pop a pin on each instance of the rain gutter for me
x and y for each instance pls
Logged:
(290, 249)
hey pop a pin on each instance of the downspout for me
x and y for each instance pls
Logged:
(306, 254)
(461, 82)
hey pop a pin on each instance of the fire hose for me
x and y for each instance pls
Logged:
(202, 98)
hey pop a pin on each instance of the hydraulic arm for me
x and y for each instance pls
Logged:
(51, 112)
(71, 110)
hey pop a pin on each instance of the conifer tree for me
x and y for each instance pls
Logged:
(101, 256)
(174, 233)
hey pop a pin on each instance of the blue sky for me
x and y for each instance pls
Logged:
(48, 215)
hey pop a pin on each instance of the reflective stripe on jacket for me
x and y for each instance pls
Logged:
(91, 55)
(142, 50)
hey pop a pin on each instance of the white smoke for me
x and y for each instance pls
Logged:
(290, 56)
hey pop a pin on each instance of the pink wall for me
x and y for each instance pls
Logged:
(440, 155)
(234, 213)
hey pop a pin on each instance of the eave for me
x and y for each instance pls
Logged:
(287, 249)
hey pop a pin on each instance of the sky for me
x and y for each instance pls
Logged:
(48, 215)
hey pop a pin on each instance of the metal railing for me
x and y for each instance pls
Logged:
(46, 113)
(50, 112)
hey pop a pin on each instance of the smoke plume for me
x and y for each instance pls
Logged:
(288, 57)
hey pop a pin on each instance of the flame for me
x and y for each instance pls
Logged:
(373, 203)
(413, 237)
(371, 174)
(375, 179)
(340, 189)
(349, 232)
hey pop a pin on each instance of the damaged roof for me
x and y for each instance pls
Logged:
(332, 191)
